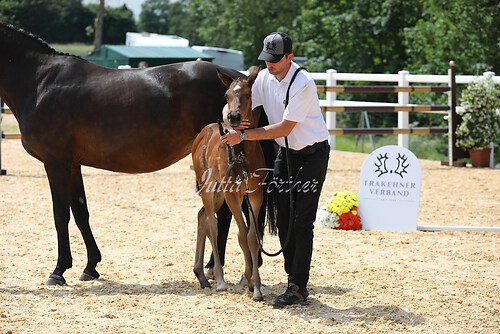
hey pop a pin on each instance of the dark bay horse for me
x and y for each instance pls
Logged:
(72, 113)
(225, 174)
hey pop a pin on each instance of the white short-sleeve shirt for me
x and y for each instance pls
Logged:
(303, 106)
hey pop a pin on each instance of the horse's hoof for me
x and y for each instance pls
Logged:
(222, 287)
(55, 279)
(89, 274)
(86, 277)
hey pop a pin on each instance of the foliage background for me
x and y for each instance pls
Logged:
(369, 36)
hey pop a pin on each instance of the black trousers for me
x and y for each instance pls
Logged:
(308, 170)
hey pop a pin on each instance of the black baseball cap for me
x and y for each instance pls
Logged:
(276, 45)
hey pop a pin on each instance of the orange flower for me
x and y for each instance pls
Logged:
(349, 221)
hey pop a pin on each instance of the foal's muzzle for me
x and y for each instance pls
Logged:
(234, 118)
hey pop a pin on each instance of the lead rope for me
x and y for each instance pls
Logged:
(292, 204)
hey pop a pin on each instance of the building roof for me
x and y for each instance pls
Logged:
(153, 39)
(158, 52)
(115, 55)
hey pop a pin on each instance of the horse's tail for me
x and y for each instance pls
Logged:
(268, 208)
(269, 147)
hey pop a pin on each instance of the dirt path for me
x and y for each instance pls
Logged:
(361, 282)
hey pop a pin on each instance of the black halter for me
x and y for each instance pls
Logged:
(235, 156)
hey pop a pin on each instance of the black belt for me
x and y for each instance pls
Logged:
(309, 149)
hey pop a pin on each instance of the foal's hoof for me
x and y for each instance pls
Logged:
(55, 279)
(209, 273)
(205, 284)
(243, 281)
(258, 299)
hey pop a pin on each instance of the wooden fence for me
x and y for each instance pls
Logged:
(331, 105)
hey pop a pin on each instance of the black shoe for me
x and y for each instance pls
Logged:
(292, 296)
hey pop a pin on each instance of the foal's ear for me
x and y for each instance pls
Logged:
(226, 79)
(253, 72)
(252, 78)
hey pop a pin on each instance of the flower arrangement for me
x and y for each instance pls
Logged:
(341, 212)
(480, 125)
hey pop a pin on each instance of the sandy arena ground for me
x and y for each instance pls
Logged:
(361, 281)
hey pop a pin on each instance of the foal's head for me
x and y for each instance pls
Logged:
(239, 98)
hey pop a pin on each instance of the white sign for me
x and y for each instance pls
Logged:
(389, 190)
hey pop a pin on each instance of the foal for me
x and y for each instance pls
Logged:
(229, 174)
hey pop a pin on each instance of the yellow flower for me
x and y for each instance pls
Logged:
(342, 202)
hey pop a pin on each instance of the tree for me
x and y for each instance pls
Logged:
(56, 21)
(117, 22)
(99, 24)
(357, 35)
(183, 23)
(467, 32)
(242, 24)
(154, 16)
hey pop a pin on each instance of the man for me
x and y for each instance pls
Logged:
(302, 122)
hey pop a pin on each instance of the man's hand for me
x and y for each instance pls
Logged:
(231, 138)
(244, 124)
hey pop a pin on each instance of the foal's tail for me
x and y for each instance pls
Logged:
(270, 148)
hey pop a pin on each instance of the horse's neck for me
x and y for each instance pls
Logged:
(21, 57)
(14, 39)
(19, 83)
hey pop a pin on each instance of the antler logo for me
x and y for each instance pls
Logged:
(271, 46)
(400, 169)
(381, 165)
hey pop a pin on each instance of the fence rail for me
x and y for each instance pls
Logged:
(387, 131)
(404, 86)
(434, 109)
(383, 89)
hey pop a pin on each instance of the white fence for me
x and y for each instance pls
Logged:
(403, 80)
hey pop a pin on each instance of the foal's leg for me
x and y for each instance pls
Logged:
(59, 176)
(255, 203)
(201, 236)
(81, 214)
(211, 202)
(223, 223)
(212, 236)
(243, 240)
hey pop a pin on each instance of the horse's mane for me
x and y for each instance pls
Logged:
(27, 39)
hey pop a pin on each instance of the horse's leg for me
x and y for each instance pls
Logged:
(81, 214)
(201, 236)
(59, 176)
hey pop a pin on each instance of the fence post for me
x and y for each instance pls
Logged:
(403, 116)
(453, 119)
(490, 74)
(2, 171)
(331, 117)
